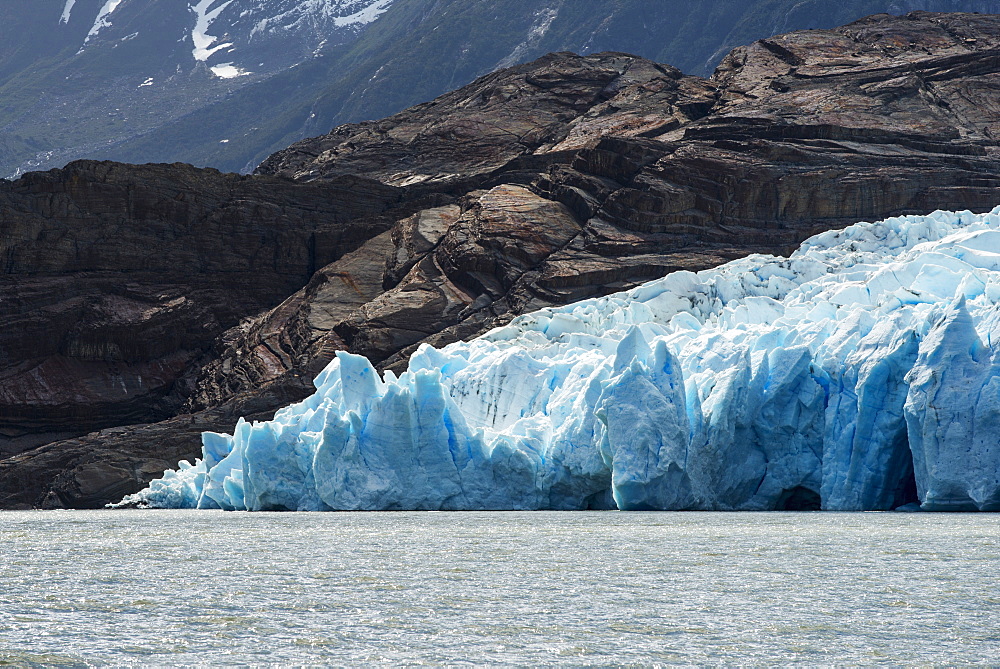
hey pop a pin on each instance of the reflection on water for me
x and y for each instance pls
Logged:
(174, 587)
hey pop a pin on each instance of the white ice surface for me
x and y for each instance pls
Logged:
(864, 364)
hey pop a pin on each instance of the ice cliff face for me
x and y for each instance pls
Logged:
(858, 373)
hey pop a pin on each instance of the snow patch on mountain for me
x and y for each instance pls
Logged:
(102, 21)
(341, 13)
(203, 42)
(66, 11)
(228, 71)
(312, 16)
(364, 16)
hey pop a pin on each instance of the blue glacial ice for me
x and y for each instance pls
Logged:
(858, 373)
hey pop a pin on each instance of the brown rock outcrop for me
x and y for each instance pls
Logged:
(792, 135)
(566, 178)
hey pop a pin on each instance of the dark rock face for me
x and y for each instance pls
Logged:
(463, 135)
(141, 294)
(117, 278)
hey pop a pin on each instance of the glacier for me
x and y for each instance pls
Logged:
(859, 373)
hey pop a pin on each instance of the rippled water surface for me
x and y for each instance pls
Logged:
(175, 587)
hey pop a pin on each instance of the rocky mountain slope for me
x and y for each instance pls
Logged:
(565, 178)
(78, 77)
(224, 83)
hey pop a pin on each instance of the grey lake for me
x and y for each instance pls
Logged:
(87, 588)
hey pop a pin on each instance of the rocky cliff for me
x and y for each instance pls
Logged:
(152, 303)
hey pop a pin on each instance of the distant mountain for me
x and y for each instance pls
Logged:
(224, 83)
(82, 77)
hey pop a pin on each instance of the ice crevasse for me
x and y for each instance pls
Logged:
(861, 372)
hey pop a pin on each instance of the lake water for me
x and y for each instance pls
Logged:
(533, 588)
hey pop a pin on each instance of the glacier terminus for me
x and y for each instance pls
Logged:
(862, 372)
